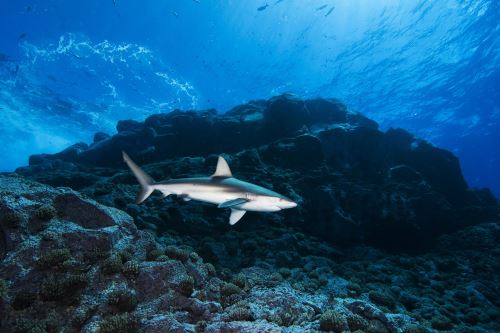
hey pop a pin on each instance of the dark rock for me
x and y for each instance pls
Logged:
(129, 126)
(108, 152)
(326, 111)
(37, 159)
(284, 115)
(404, 174)
(100, 136)
(356, 151)
(302, 152)
(69, 154)
(83, 213)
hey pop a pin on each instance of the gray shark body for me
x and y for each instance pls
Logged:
(221, 189)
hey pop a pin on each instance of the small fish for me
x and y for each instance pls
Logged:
(28, 9)
(277, 2)
(197, 1)
(174, 13)
(322, 7)
(330, 11)
(21, 36)
(261, 8)
(114, 3)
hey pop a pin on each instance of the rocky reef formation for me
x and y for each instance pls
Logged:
(71, 264)
(387, 236)
(355, 184)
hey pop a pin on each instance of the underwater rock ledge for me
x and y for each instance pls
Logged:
(355, 184)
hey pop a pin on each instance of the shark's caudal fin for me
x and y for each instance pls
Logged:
(143, 178)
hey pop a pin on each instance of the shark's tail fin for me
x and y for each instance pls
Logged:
(143, 178)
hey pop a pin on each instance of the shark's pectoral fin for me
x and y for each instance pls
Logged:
(232, 203)
(236, 215)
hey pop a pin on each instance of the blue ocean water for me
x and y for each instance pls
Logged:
(69, 69)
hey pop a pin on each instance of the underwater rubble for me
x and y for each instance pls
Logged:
(387, 237)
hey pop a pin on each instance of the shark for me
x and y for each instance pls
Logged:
(221, 188)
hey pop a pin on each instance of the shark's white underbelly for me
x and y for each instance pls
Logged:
(210, 197)
(218, 198)
(257, 206)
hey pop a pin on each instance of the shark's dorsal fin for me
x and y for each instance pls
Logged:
(236, 215)
(222, 169)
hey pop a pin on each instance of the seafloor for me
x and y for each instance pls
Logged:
(387, 236)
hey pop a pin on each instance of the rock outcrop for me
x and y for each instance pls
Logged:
(355, 184)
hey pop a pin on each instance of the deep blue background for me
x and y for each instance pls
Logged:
(70, 68)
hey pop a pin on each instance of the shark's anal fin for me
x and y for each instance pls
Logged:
(236, 215)
(231, 203)
(222, 170)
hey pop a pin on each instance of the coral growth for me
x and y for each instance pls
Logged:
(123, 300)
(45, 212)
(112, 264)
(121, 323)
(131, 269)
(332, 321)
(186, 285)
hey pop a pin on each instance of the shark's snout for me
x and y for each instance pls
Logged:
(287, 203)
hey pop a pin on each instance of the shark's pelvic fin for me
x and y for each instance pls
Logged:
(185, 197)
(231, 203)
(143, 178)
(236, 215)
(222, 169)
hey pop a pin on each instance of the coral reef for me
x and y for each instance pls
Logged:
(454, 287)
(387, 236)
